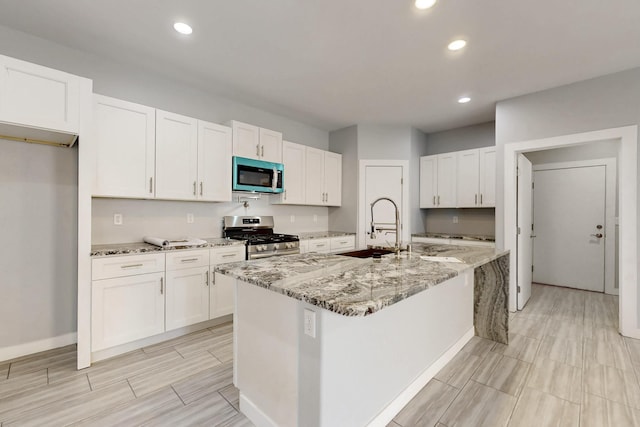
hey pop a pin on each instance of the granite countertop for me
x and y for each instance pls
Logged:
(456, 236)
(323, 234)
(142, 247)
(354, 286)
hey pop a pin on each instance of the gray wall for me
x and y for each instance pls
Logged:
(470, 221)
(39, 287)
(345, 142)
(591, 151)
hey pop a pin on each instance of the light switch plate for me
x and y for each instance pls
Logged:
(117, 219)
(189, 218)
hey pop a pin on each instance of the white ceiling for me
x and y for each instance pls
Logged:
(334, 63)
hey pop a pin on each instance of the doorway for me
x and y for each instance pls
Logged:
(627, 196)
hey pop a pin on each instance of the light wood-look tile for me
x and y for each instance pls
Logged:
(110, 372)
(223, 352)
(208, 343)
(458, 371)
(232, 395)
(564, 329)
(502, 373)
(21, 403)
(561, 350)
(136, 411)
(612, 384)
(426, 408)
(529, 325)
(4, 371)
(169, 372)
(558, 379)
(75, 408)
(610, 353)
(169, 345)
(22, 383)
(222, 329)
(477, 406)
(39, 361)
(210, 410)
(478, 346)
(600, 412)
(237, 420)
(69, 369)
(203, 383)
(393, 424)
(539, 409)
(633, 347)
(520, 347)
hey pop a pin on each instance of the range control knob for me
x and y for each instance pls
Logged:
(276, 246)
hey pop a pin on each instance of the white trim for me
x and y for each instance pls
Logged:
(405, 216)
(19, 350)
(609, 215)
(388, 413)
(628, 207)
(255, 415)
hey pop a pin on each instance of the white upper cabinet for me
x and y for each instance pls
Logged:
(39, 97)
(314, 176)
(332, 179)
(257, 143)
(214, 162)
(468, 178)
(124, 135)
(176, 156)
(488, 177)
(463, 179)
(293, 158)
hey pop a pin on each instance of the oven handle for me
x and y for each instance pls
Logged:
(274, 180)
(271, 254)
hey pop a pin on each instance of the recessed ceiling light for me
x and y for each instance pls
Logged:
(425, 4)
(457, 44)
(464, 99)
(183, 28)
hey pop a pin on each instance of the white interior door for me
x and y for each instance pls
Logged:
(382, 181)
(525, 238)
(569, 206)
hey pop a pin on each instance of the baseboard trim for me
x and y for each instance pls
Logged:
(388, 413)
(255, 415)
(25, 349)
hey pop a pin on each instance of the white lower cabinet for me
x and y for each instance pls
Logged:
(328, 245)
(187, 297)
(342, 244)
(322, 246)
(221, 294)
(127, 308)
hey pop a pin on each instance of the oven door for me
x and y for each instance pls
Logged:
(257, 175)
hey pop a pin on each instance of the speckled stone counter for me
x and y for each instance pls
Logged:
(353, 286)
(142, 247)
(456, 236)
(323, 234)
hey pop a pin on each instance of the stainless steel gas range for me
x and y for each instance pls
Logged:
(262, 242)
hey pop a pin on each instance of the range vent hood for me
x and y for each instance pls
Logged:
(35, 135)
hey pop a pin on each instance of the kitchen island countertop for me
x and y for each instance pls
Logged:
(142, 247)
(323, 234)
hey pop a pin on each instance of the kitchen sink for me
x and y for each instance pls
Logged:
(367, 253)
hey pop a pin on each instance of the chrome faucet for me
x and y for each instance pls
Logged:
(375, 227)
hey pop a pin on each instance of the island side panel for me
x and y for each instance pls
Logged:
(367, 362)
(491, 299)
(266, 355)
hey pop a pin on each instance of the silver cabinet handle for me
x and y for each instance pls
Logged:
(258, 150)
(434, 200)
(131, 266)
(228, 255)
(262, 151)
(480, 198)
(476, 202)
(206, 282)
(320, 245)
(189, 260)
(285, 194)
(194, 188)
(201, 188)
(161, 285)
(438, 200)
(151, 185)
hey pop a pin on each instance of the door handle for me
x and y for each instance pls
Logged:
(599, 235)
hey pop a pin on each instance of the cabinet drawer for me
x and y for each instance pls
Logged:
(341, 243)
(108, 267)
(227, 254)
(187, 259)
(320, 245)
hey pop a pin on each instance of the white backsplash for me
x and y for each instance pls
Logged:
(168, 219)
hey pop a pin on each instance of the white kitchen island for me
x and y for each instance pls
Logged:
(327, 340)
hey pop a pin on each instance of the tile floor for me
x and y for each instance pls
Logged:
(565, 365)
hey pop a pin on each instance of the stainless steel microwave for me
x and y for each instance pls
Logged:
(257, 175)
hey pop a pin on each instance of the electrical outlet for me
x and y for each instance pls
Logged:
(293, 218)
(189, 218)
(455, 219)
(117, 219)
(310, 322)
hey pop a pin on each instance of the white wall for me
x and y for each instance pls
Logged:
(345, 142)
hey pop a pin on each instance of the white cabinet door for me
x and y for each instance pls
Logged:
(124, 135)
(428, 181)
(246, 140)
(468, 172)
(293, 158)
(446, 180)
(314, 171)
(226, 254)
(270, 146)
(343, 243)
(187, 297)
(322, 246)
(222, 296)
(37, 96)
(304, 246)
(176, 156)
(214, 162)
(332, 179)
(488, 177)
(126, 309)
